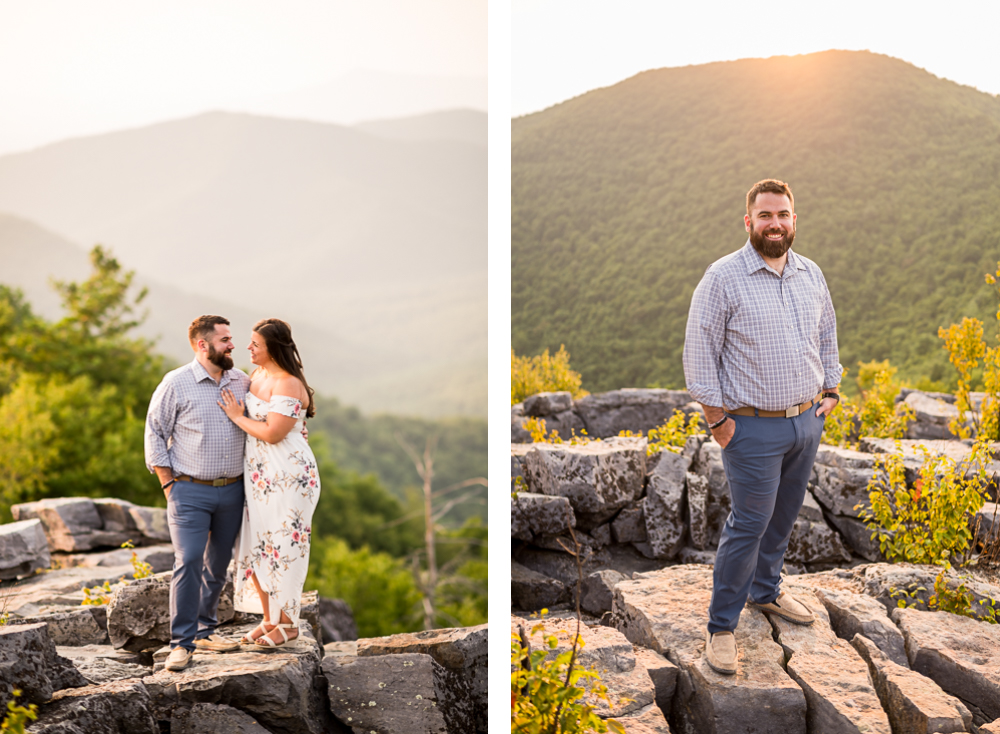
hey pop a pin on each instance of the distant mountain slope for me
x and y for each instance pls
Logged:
(622, 196)
(466, 125)
(380, 241)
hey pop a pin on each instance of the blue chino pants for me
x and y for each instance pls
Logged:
(204, 522)
(768, 463)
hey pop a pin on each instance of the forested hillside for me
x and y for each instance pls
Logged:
(623, 196)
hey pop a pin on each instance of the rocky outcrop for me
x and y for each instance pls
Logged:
(117, 707)
(23, 549)
(533, 515)
(336, 620)
(71, 523)
(29, 662)
(219, 719)
(80, 626)
(663, 506)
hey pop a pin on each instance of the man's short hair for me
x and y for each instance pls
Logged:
(769, 186)
(203, 327)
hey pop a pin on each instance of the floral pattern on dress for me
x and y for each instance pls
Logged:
(282, 489)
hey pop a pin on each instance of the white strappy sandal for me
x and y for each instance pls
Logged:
(265, 641)
(247, 640)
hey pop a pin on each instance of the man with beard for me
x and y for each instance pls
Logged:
(197, 453)
(760, 355)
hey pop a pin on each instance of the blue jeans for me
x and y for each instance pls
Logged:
(204, 522)
(768, 463)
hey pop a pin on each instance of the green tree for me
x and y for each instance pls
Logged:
(542, 373)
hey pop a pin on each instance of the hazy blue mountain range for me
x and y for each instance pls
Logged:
(621, 198)
(371, 242)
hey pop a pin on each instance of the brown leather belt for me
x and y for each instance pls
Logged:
(790, 413)
(221, 482)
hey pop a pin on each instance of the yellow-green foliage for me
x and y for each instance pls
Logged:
(13, 722)
(956, 600)
(97, 595)
(141, 569)
(550, 698)
(672, 435)
(928, 522)
(530, 375)
(536, 427)
(875, 414)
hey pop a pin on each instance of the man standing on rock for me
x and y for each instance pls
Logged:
(197, 453)
(760, 355)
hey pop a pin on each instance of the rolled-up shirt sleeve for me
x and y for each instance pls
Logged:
(703, 340)
(160, 425)
(828, 352)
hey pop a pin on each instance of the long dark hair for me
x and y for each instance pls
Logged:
(277, 336)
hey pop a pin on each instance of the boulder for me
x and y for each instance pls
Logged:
(538, 514)
(23, 549)
(663, 506)
(281, 688)
(203, 717)
(636, 409)
(913, 702)
(71, 523)
(517, 433)
(606, 650)
(543, 404)
(832, 675)
(662, 672)
(29, 661)
(858, 537)
(882, 579)
(58, 588)
(80, 626)
(841, 479)
(709, 501)
(116, 707)
(666, 611)
(960, 654)
(337, 620)
(462, 650)
(814, 542)
(116, 516)
(408, 692)
(630, 525)
(102, 663)
(932, 416)
(159, 555)
(151, 522)
(599, 477)
(530, 590)
(596, 596)
(856, 614)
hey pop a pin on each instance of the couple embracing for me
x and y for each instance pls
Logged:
(231, 455)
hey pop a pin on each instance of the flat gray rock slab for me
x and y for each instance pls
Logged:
(598, 478)
(667, 611)
(858, 537)
(637, 409)
(960, 654)
(662, 672)
(101, 664)
(116, 707)
(151, 522)
(71, 523)
(881, 579)
(215, 718)
(282, 689)
(649, 720)
(160, 556)
(913, 702)
(462, 650)
(607, 651)
(59, 587)
(834, 678)
(407, 692)
(538, 514)
(76, 627)
(841, 479)
(543, 404)
(932, 417)
(23, 548)
(814, 542)
(853, 614)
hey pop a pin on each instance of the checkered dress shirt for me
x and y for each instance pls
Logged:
(758, 339)
(188, 431)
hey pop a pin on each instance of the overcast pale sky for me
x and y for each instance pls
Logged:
(563, 48)
(70, 67)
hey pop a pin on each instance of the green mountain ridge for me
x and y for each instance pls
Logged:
(623, 196)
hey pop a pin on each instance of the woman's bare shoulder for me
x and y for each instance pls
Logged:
(291, 386)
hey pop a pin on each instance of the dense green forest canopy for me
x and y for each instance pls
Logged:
(623, 196)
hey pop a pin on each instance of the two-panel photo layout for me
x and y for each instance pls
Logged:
(261, 267)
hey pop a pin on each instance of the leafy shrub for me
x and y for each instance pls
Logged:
(531, 375)
(17, 715)
(875, 414)
(549, 695)
(674, 433)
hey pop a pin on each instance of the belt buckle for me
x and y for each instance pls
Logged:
(219, 482)
(792, 412)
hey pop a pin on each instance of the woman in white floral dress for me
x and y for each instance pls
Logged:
(282, 485)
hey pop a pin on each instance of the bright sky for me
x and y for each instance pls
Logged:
(563, 48)
(70, 67)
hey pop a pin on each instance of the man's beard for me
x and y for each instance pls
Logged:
(772, 249)
(219, 359)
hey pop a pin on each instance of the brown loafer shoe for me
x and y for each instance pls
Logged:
(216, 643)
(720, 652)
(787, 607)
(178, 659)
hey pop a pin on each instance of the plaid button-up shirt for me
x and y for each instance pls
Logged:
(188, 431)
(758, 339)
